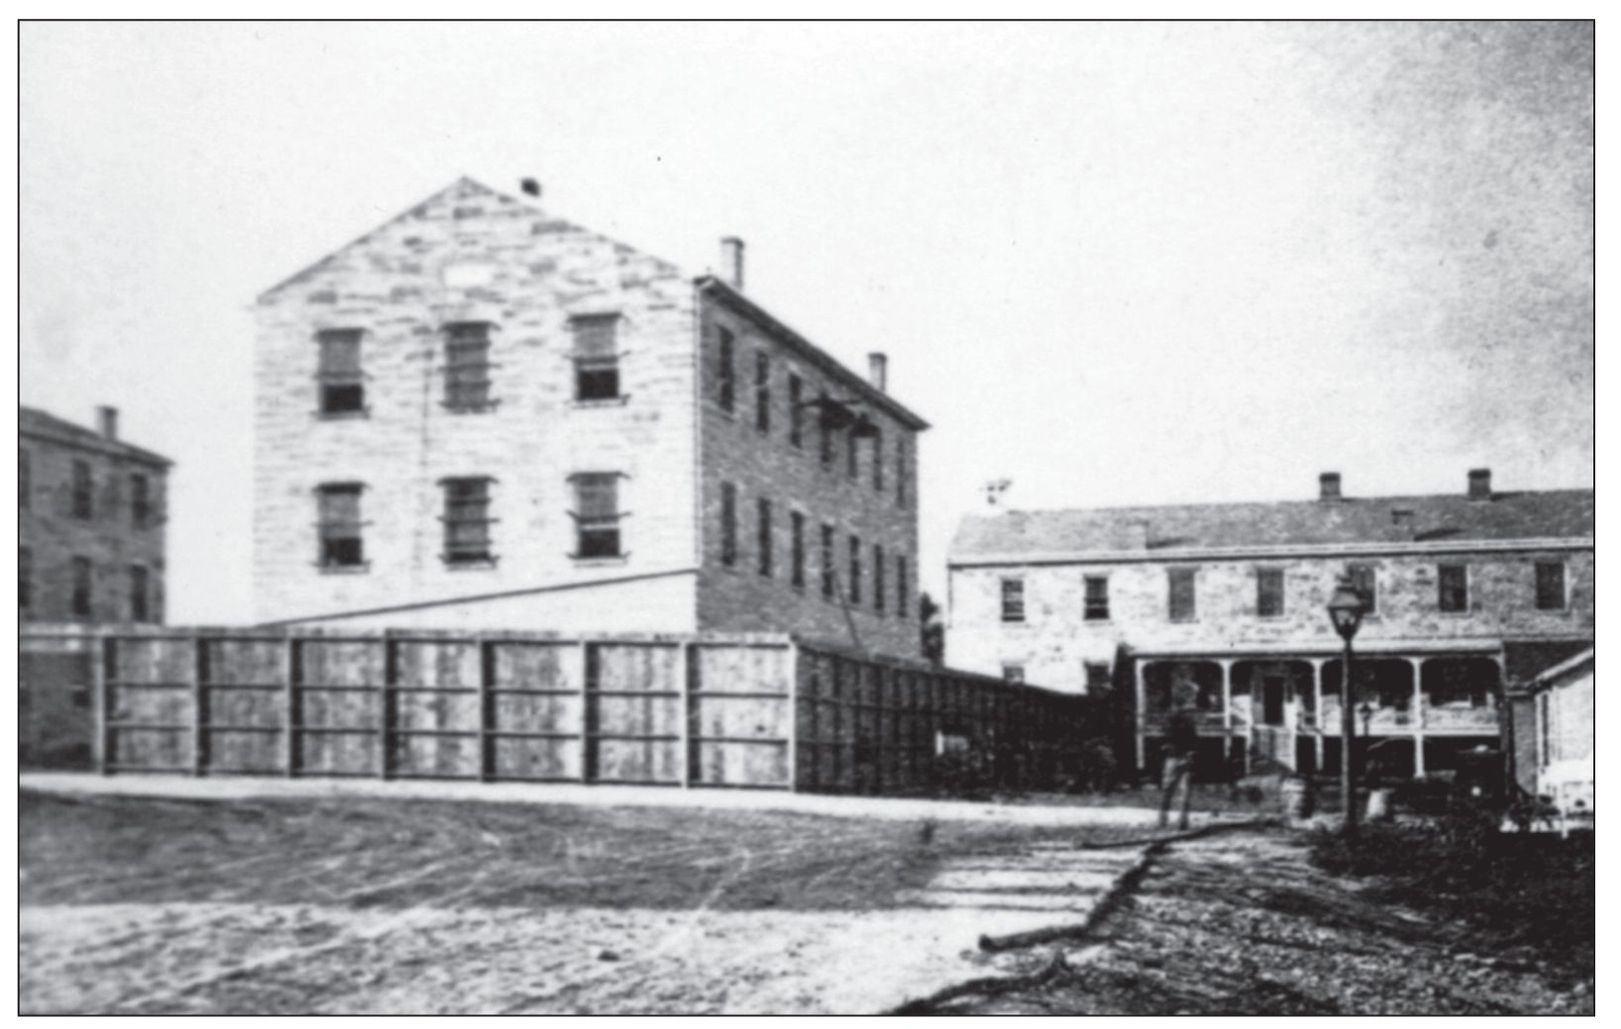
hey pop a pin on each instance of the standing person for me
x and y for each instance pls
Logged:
(1182, 742)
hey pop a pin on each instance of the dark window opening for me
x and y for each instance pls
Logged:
(762, 391)
(467, 366)
(138, 611)
(339, 525)
(852, 453)
(81, 586)
(597, 515)
(342, 383)
(796, 411)
(855, 569)
(878, 593)
(903, 604)
(828, 573)
(1183, 605)
(796, 522)
(763, 513)
(467, 521)
(1453, 587)
(84, 485)
(877, 459)
(900, 472)
(1013, 673)
(1012, 600)
(728, 524)
(1551, 586)
(726, 379)
(1097, 677)
(1096, 606)
(140, 500)
(1269, 592)
(1366, 584)
(825, 427)
(596, 357)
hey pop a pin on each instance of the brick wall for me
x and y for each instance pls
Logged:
(1055, 640)
(468, 254)
(110, 539)
(737, 597)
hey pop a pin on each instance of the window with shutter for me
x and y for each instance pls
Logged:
(596, 357)
(467, 521)
(467, 367)
(597, 515)
(339, 526)
(342, 384)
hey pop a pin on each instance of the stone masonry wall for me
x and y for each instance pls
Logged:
(470, 254)
(1054, 641)
(766, 464)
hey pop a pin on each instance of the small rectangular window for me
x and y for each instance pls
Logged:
(1269, 592)
(81, 586)
(855, 569)
(1366, 583)
(138, 611)
(852, 453)
(796, 521)
(140, 500)
(1096, 607)
(338, 525)
(25, 578)
(900, 472)
(726, 374)
(903, 602)
(1013, 673)
(1183, 604)
(762, 391)
(1551, 586)
(597, 515)
(467, 521)
(763, 535)
(879, 594)
(1097, 677)
(828, 574)
(728, 524)
(25, 479)
(1012, 600)
(596, 357)
(467, 366)
(825, 427)
(1452, 587)
(341, 381)
(84, 486)
(878, 459)
(796, 411)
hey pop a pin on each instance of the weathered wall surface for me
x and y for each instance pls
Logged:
(469, 254)
(738, 597)
(1054, 640)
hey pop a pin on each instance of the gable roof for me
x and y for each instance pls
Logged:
(42, 425)
(1439, 520)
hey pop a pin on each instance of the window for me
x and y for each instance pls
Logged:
(877, 459)
(827, 562)
(1453, 587)
(342, 384)
(597, 515)
(852, 453)
(1097, 677)
(900, 472)
(1013, 673)
(726, 380)
(796, 522)
(1551, 586)
(339, 525)
(467, 366)
(467, 521)
(1269, 592)
(140, 500)
(1096, 605)
(1183, 607)
(596, 357)
(1366, 583)
(1012, 600)
(81, 586)
(796, 411)
(762, 391)
(728, 524)
(83, 490)
(763, 534)
(855, 569)
(25, 478)
(902, 597)
(137, 594)
(25, 578)
(826, 429)
(879, 596)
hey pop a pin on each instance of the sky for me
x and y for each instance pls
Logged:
(1113, 263)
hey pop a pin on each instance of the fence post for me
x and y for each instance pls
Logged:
(104, 670)
(685, 670)
(793, 716)
(486, 681)
(290, 719)
(588, 749)
(385, 732)
(199, 707)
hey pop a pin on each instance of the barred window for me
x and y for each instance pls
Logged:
(855, 569)
(828, 573)
(341, 382)
(762, 391)
(763, 511)
(878, 593)
(84, 485)
(596, 357)
(138, 609)
(1269, 592)
(467, 521)
(467, 366)
(728, 524)
(726, 379)
(796, 521)
(1012, 600)
(796, 411)
(339, 525)
(1097, 599)
(140, 500)
(1551, 586)
(597, 515)
(81, 586)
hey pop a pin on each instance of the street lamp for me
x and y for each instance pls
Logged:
(1345, 610)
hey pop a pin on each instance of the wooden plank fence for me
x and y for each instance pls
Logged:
(754, 711)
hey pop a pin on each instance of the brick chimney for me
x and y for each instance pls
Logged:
(1328, 486)
(731, 261)
(1480, 484)
(107, 422)
(878, 371)
(530, 187)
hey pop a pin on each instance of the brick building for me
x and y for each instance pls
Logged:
(91, 511)
(1224, 605)
(481, 415)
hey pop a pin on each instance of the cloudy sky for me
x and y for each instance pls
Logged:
(1113, 263)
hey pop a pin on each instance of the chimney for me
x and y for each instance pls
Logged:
(530, 187)
(878, 371)
(107, 422)
(731, 261)
(1328, 486)
(1480, 484)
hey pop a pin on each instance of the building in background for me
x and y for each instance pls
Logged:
(1225, 605)
(481, 415)
(1554, 734)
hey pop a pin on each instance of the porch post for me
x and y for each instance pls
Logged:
(1226, 712)
(1317, 705)
(1142, 694)
(1418, 715)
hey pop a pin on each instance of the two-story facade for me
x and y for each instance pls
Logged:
(482, 415)
(91, 513)
(1224, 606)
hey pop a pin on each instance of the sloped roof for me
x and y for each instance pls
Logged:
(1357, 520)
(38, 424)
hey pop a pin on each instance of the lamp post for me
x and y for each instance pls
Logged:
(1345, 610)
